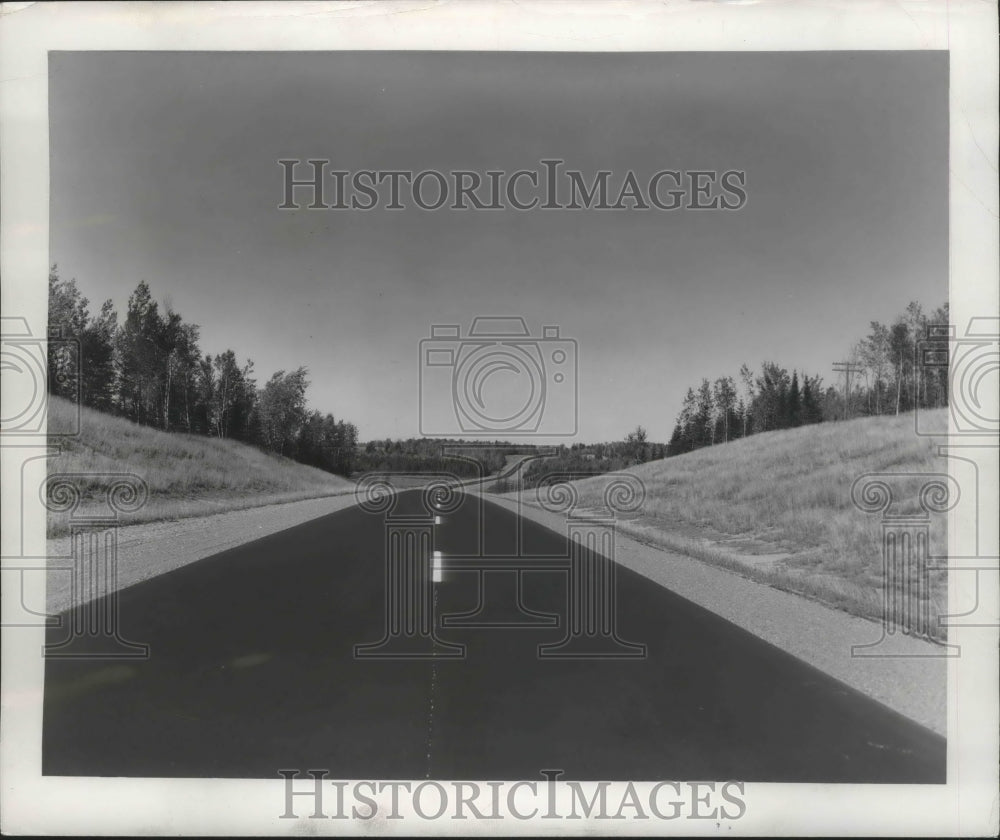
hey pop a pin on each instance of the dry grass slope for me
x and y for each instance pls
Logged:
(187, 475)
(777, 507)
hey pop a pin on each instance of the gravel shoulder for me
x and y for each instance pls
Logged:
(909, 675)
(148, 550)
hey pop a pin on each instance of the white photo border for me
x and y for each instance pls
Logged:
(965, 806)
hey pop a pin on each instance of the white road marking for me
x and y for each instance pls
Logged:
(437, 568)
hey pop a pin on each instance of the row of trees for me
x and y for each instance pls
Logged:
(150, 368)
(890, 373)
(635, 449)
(591, 459)
(720, 411)
(468, 460)
(887, 371)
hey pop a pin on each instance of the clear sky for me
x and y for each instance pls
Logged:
(164, 168)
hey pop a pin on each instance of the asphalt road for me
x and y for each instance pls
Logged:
(252, 670)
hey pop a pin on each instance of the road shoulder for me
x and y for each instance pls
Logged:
(148, 550)
(912, 682)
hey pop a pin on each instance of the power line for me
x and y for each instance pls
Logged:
(848, 369)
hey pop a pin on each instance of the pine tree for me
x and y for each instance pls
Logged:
(724, 394)
(794, 408)
(811, 412)
(704, 428)
(97, 363)
(676, 445)
(138, 365)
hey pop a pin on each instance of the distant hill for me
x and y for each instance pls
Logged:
(777, 506)
(187, 475)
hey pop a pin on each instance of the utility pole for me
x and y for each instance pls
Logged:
(848, 369)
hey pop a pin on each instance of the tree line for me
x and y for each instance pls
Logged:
(414, 455)
(584, 459)
(890, 373)
(885, 373)
(722, 411)
(151, 369)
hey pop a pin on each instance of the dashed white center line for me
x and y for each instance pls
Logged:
(437, 575)
(430, 704)
(437, 569)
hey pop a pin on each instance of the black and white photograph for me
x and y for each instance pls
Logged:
(457, 419)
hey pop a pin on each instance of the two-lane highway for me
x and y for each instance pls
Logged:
(253, 669)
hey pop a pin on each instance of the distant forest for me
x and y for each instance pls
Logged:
(150, 368)
(884, 375)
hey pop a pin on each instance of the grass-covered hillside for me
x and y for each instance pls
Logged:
(777, 506)
(187, 475)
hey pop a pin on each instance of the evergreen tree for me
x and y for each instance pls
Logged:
(137, 357)
(97, 355)
(742, 419)
(724, 395)
(812, 393)
(794, 409)
(676, 446)
(704, 427)
(69, 316)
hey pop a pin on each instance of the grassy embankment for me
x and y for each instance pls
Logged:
(777, 507)
(187, 475)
